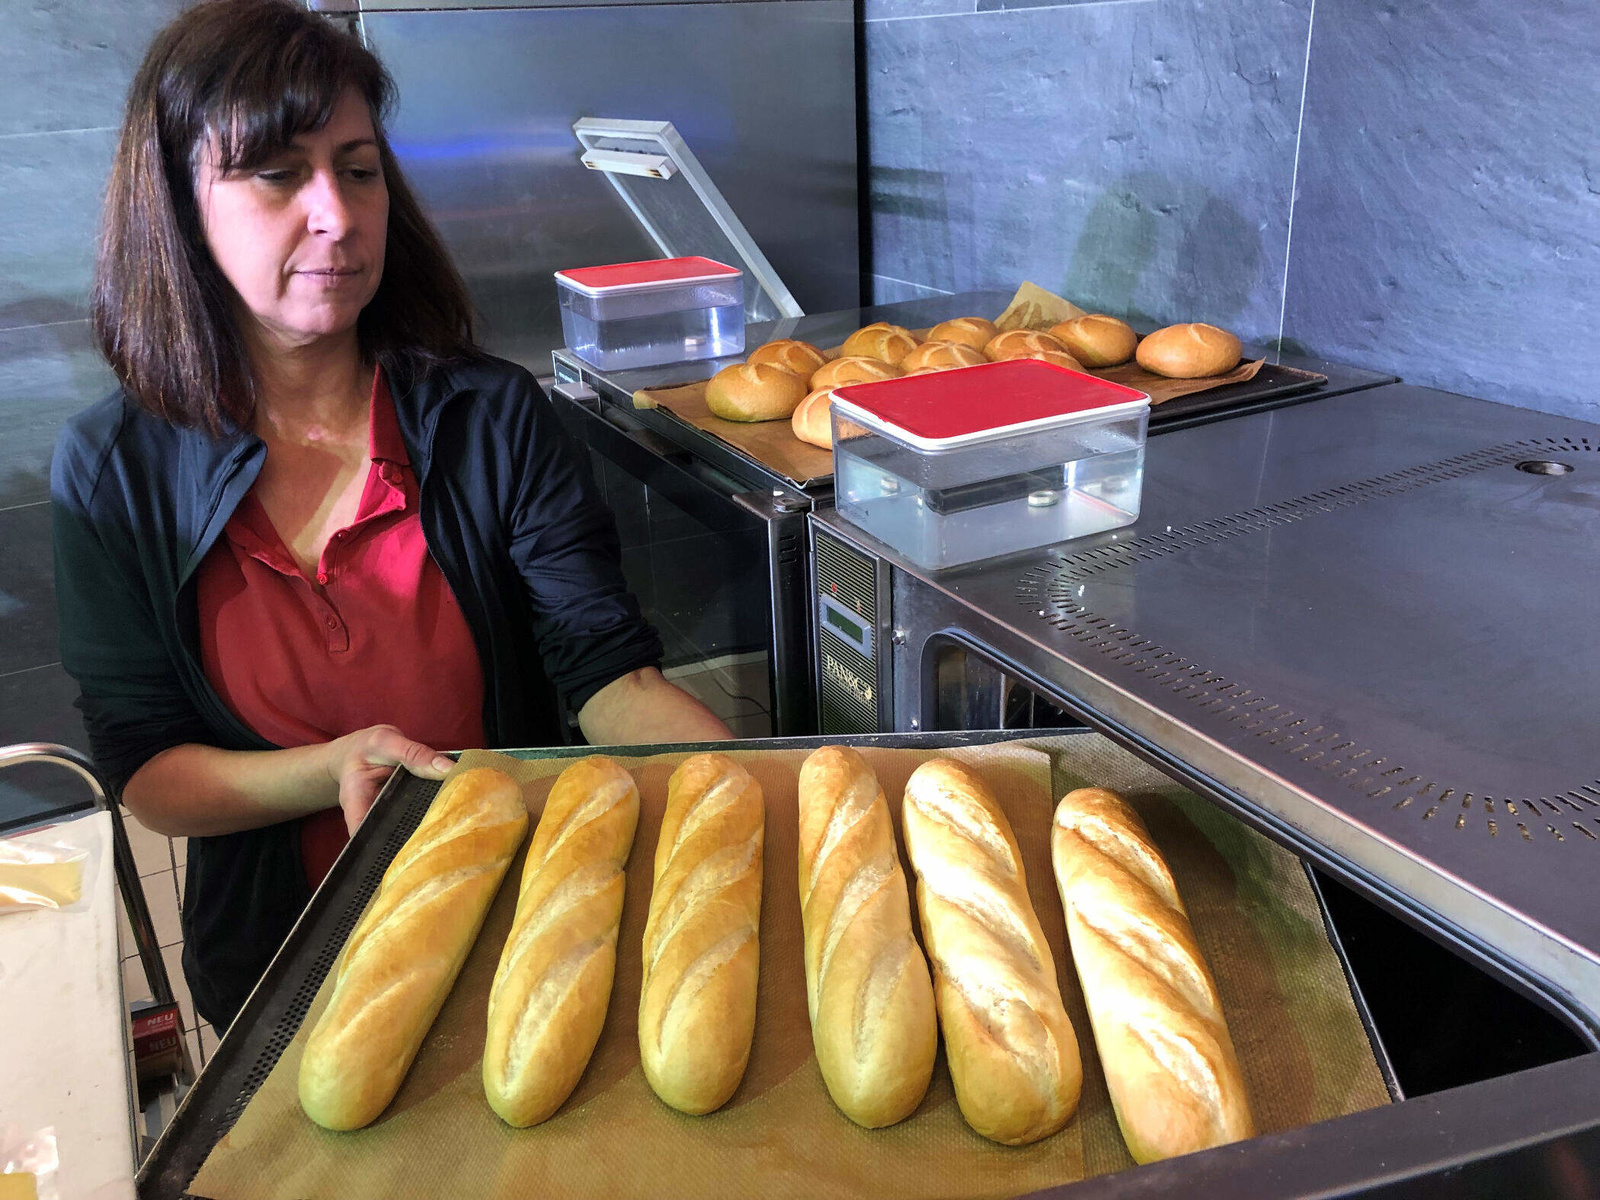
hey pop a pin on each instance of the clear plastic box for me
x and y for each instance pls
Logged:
(963, 465)
(643, 314)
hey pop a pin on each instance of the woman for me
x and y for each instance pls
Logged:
(316, 533)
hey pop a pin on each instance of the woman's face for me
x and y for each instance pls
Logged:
(301, 237)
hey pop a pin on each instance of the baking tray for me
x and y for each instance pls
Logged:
(275, 1010)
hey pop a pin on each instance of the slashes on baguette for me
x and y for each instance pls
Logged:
(1169, 1062)
(867, 984)
(550, 992)
(1012, 1051)
(402, 958)
(697, 1005)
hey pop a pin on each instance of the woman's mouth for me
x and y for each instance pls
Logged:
(331, 276)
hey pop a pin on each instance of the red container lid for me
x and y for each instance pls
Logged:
(947, 409)
(639, 276)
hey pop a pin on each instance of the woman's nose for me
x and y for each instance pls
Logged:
(327, 209)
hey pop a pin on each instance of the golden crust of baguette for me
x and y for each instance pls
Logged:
(697, 1006)
(553, 985)
(1169, 1062)
(867, 984)
(1012, 1051)
(402, 958)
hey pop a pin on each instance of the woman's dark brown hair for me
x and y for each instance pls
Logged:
(248, 76)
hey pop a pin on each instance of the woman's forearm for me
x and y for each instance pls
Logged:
(198, 791)
(642, 707)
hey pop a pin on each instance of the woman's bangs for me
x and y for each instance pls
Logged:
(259, 112)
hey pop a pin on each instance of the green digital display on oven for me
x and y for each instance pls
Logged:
(839, 621)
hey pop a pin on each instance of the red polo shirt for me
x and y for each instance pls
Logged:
(375, 638)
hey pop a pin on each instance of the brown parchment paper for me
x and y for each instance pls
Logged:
(1304, 1052)
(774, 445)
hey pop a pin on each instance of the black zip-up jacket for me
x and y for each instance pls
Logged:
(511, 515)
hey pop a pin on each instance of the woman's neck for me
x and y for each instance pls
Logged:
(309, 392)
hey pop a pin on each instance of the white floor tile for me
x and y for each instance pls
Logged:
(196, 1056)
(173, 957)
(752, 725)
(134, 986)
(125, 942)
(180, 851)
(151, 851)
(708, 687)
(208, 1041)
(161, 898)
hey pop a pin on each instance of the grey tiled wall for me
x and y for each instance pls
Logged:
(1136, 155)
(1141, 157)
(64, 73)
(1447, 226)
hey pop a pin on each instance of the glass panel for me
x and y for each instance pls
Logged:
(696, 587)
(686, 214)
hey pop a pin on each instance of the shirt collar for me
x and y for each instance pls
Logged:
(383, 439)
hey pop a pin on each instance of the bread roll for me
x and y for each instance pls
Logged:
(1013, 1055)
(842, 372)
(402, 958)
(1019, 343)
(1189, 351)
(812, 421)
(880, 340)
(940, 356)
(1056, 358)
(1097, 340)
(754, 392)
(799, 358)
(550, 993)
(697, 1006)
(968, 331)
(867, 985)
(1169, 1062)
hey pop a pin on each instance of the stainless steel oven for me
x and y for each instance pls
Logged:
(1363, 626)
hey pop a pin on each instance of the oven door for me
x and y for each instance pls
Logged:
(717, 568)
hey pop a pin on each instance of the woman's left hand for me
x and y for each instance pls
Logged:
(359, 763)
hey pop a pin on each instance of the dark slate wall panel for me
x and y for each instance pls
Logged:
(1447, 225)
(1135, 156)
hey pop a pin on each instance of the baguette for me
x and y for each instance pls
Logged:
(1169, 1062)
(550, 992)
(1013, 1055)
(402, 958)
(697, 1005)
(867, 985)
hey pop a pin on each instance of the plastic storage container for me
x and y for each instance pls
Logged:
(642, 314)
(961, 465)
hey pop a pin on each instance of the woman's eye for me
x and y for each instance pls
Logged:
(362, 174)
(276, 175)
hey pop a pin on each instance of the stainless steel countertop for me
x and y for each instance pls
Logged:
(1359, 617)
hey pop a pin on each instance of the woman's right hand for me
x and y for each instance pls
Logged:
(359, 763)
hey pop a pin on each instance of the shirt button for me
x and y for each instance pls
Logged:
(333, 622)
(322, 577)
(390, 473)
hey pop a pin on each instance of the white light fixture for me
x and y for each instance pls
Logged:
(630, 162)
